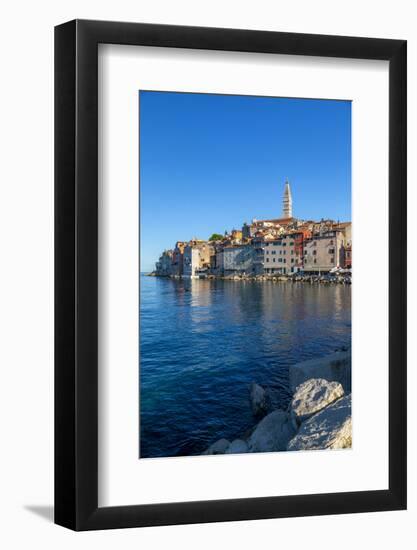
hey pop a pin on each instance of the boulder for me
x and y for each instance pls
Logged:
(218, 448)
(333, 368)
(237, 446)
(312, 396)
(273, 398)
(272, 433)
(258, 399)
(331, 428)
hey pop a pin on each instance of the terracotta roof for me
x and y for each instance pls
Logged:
(281, 221)
(342, 224)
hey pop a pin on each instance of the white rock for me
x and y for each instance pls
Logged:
(272, 433)
(312, 396)
(258, 399)
(333, 368)
(330, 428)
(218, 448)
(237, 446)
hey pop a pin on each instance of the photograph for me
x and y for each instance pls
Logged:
(245, 274)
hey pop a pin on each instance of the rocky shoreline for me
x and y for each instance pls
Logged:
(319, 415)
(327, 278)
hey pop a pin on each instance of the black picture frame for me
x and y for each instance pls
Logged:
(76, 273)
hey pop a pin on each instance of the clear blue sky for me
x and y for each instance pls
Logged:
(208, 163)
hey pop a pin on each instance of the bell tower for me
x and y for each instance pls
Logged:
(287, 201)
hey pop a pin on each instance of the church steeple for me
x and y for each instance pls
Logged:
(287, 201)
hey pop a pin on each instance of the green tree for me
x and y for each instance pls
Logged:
(216, 237)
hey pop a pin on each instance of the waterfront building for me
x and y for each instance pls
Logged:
(284, 255)
(323, 252)
(178, 259)
(164, 264)
(196, 257)
(216, 259)
(236, 260)
(346, 229)
(299, 237)
(347, 256)
(258, 245)
(217, 262)
(274, 260)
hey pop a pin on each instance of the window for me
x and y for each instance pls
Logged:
(292, 251)
(273, 252)
(292, 243)
(332, 260)
(315, 261)
(331, 250)
(314, 252)
(331, 242)
(273, 260)
(267, 259)
(292, 260)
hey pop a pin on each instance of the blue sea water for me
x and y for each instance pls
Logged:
(203, 342)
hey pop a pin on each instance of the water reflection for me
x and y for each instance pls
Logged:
(202, 342)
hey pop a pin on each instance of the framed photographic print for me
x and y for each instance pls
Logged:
(230, 275)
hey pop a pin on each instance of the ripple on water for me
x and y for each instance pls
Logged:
(203, 342)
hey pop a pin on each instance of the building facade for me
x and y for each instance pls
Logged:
(196, 258)
(178, 259)
(347, 256)
(164, 264)
(236, 260)
(258, 245)
(284, 255)
(248, 231)
(322, 253)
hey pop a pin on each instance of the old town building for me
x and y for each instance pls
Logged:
(236, 260)
(197, 256)
(284, 255)
(164, 264)
(323, 253)
(283, 246)
(178, 259)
